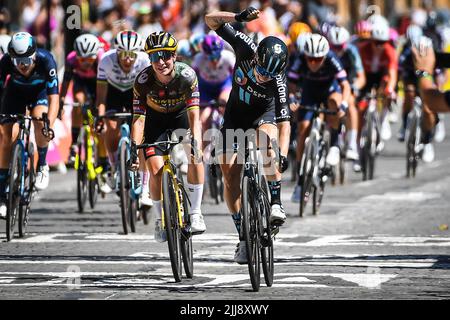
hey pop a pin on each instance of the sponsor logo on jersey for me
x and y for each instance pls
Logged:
(246, 39)
(239, 77)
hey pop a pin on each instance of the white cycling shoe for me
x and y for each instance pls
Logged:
(42, 178)
(386, 132)
(277, 214)
(352, 154)
(240, 255)
(333, 157)
(144, 198)
(197, 224)
(160, 234)
(428, 153)
(3, 210)
(439, 135)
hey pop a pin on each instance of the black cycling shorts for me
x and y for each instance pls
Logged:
(157, 124)
(119, 101)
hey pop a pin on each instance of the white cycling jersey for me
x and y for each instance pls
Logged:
(110, 71)
(214, 74)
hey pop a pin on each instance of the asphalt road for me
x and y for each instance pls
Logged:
(382, 239)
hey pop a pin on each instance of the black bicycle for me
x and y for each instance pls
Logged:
(22, 173)
(414, 147)
(257, 230)
(314, 171)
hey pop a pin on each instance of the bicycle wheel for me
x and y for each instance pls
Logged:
(93, 189)
(213, 184)
(317, 197)
(82, 172)
(306, 179)
(251, 233)
(266, 235)
(24, 208)
(14, 196)
(187, 251)
(372, 151)
(170, 213)
(132, 203)
(123, 189)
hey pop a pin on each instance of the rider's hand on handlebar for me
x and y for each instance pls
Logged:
(284, 163)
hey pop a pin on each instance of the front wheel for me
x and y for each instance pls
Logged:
(187, 251)
(170, 213)
(123, 188)
(266, 235)
(14, 194)
(82, 180)
(24, 209)
(251, 233)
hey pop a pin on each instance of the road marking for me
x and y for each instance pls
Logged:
(403, 196)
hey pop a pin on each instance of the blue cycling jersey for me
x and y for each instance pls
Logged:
(351, 61)
(330, 71)
(43, 77)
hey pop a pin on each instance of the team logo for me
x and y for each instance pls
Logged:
(161, 93)
(188, 73)
(277, 48)
(143, 77)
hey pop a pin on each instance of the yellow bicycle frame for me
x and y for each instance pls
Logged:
(178, 192)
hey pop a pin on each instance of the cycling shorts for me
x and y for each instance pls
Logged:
(157, 124)
(314, 96)
(87, 85)
(119, 101)
(209, 91)
(15, 102)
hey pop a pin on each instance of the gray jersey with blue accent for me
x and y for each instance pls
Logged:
(247, 94)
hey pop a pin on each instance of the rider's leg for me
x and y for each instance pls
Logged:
(111, 138)
(42, 172)
(410, 94)
(8, 134)
(428, 128)
(77, 117)
(334, 101)
(353, 125)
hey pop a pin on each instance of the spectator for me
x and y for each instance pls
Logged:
(146, 21)
(30, 10)
(319, 12)
(4, 21)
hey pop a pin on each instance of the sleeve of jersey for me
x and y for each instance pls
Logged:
(393, 60)
(358, 62)
(102, 70)
(240, 42)
(193, 96)
(281, 101)
(139, 107)
(341, 74)
(52, 76)
(3, 72)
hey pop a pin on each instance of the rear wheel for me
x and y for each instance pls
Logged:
(14, 196)
(24, 209)
(306, 177)
(171, 225)
(266, 235)
(251, 233)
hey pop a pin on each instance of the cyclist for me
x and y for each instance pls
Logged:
(117, 71)
(32, 82)
(322, 79)
(81, 69)
(4, 41)
(351, 61)
(214, 68)
(295, 30)
(380, 64)
(258, 100)
(166, 97)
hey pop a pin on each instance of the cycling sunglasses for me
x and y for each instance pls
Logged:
(127, 54)
(263, 72)
(379, 43)
(89, 60)
(165, 55)
(315, 60)
(338, 47)
(25, 61)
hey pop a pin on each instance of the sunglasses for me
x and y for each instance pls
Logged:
(379, 43)
(314, 60)
(214, 56)
(264, 73)
(127, 54)
(165, 55)
(338, 47)
(87, 60)
(25, 61)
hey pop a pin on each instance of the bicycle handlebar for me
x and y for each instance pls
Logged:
(46, 130)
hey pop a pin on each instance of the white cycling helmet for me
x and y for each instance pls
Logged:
(22, 44)
(86, 45)
(4, 41)
(380, 32)
(316, 46)
(301, 41)
(184, 48)
(377, 19)
(128, 41)
(413, 32)
(338, 36)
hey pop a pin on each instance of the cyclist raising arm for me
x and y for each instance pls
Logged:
(258, 100)
(33, 82)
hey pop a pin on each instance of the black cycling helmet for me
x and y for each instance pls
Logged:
(272, 56)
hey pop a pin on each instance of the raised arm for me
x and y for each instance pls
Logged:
(215, 20)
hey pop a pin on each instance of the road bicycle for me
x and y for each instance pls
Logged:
(257, 230)
(215, 180)
(126, 181)
(413, 134)
(314, 171)
(86, 160)
(175, 209)
(370, 137)
(22, 173)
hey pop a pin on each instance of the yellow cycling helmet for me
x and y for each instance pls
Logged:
(296, 29)
(160, 41)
